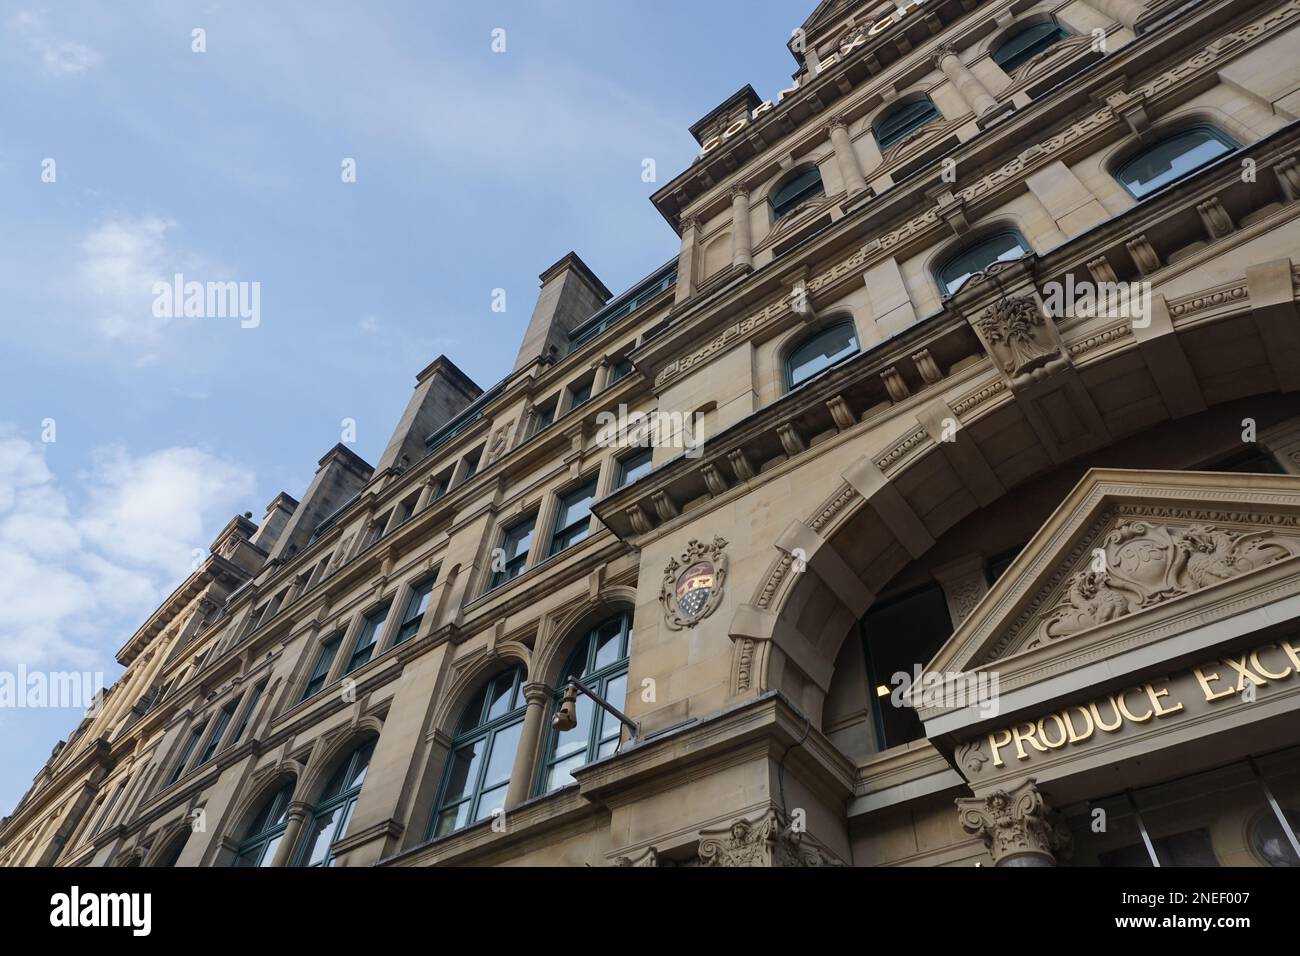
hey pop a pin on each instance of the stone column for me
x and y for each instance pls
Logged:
(742, 256)
(1014, 826)
(299, 812)
(686, 261)
(601, 380)
(850, 169)
(538, 696)
(1121, 11)
(979, 99)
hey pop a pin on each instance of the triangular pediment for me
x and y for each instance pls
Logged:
(1122, 547)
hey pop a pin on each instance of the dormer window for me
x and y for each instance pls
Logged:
(796, 191)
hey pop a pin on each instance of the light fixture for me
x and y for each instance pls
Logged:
(882, 690)
(566, 718)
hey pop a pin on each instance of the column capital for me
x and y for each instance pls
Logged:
(688, 223)
(737, 191)
(1015, 826)
(838, 121)
(535, 692)
(942, 52)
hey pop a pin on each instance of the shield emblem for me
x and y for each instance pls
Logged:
(694, 586)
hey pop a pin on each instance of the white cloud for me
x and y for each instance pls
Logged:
(59, 56)
(120, 261)
(82, 566)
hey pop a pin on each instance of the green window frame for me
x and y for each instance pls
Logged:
(1005, 246)
(573, 517)
(172, 854)
(266, 830)
(580, 394)
(1026, 43)
(250, 708)
(321, 671)
(218, 731)
(334, 809)
(417, 605)
(1174, 157)
(363, 648)
(901, 120)
(179, 770)
(620, 370)
(601, 662)
(515, 545)
(482, 755)
(795, 191)
(633, 467)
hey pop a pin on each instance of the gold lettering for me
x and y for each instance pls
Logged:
(996, 746)
(1026, 734)
(1243, 673)
(762, 107)
(1254, 659)
(1160, 709)
(1075, 736)
(1096, 716)
(1292, 653)
(882, 24)
(781, 94)
(735, 127)
(1128, 714)
(1204, 680)
(709, 144)
(1042, 732)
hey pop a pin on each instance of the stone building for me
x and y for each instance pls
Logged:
(938, 504)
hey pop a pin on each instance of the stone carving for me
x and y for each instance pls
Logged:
(971, 757)
(649, 858)
(1015, 826)
(1016, 334)
(1141, 563)
(693, 583)
(767, 841)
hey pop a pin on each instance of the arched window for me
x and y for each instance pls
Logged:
(901, 120)
(600, 662)
(482, 754)
(1026, 43)
(1001, 247)
(1172, 158)
(266, 831)
(796, 191)
(820, 351)
(329, 824)
(171, 855)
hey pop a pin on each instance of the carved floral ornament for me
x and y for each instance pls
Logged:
(1019, 338)
(1140, 563)
(770, 840)
(693, 583)
(1014, 825)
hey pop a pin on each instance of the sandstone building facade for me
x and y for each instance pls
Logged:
(934, 554)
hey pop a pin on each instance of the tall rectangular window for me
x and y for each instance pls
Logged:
(413, 615)
(518, 539)
(545, 416)
(190, 744)
(218, 730)
(573, 519)
(620, 370)
(367, 638)
(579, 394)
(632, 467)
(322, 669)
(249, 709)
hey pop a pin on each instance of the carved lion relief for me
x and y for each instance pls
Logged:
(1141, 563)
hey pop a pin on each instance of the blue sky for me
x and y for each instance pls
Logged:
(475, 171)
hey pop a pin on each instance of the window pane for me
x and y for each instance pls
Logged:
(796, 191)
(452, 819)
(500, 696)
(464, 770)
(615, 695)
(1171, 159)
(502, 758)
(268, 850)
(634, 467)
(821, 352)
(903, 120)
(573, 520)
(1027, 44)
(1004, 247)
(609, 643)
(490, 802)
(562, 773)
(320, 837)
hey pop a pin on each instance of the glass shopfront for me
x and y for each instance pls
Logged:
(1244, 814)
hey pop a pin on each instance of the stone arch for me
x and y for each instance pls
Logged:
(329, 751)
(265, 784)
(817, 586)
(471, 677)
(564, 631)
